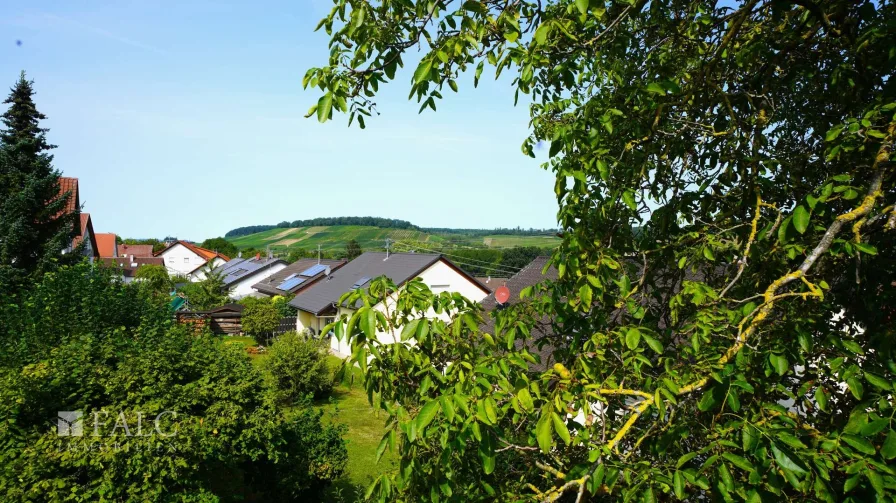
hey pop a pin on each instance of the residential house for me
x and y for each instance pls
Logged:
(296, 277)
(528, 276)
(183, 258)
(241, 274)
(127, 266)
(83, 230)
(319, 305)
(87, 236)
(106, 244)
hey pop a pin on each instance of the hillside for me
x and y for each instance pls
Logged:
(334, 238)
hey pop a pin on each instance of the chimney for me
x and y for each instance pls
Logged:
(258, 256)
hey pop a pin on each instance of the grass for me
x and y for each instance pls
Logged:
(349, 406)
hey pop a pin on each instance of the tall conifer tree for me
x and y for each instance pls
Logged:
(34, 230)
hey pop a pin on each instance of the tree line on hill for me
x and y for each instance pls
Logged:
(386, 223)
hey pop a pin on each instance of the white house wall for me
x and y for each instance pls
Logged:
(180, 260)
(199, 274)
(439, 277)
(243, 287)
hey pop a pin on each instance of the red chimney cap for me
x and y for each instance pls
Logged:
(258, 256)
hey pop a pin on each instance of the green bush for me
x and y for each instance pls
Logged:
(87, 343)
(297, 367)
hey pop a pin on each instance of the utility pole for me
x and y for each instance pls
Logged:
(388, 243)
(318, 254)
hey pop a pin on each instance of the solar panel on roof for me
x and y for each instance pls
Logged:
(291, 276)
(315, 269)
(291, 283)
(361, 282)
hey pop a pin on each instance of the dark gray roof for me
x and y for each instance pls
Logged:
(269, 285)
(528, 276)
(240, 268)
(399, 267)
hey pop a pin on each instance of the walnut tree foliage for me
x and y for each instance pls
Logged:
(739, 345)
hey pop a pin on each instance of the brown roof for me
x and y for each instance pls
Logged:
(202, 252)
(269, 285)
(105, 242)
(135, 250)
(127, 266)
(86, 229)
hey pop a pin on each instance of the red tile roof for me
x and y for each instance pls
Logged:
(202, 252)
(135, 250)
(105, 242)
(68, 184)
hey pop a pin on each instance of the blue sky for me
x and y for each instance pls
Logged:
(186, 119)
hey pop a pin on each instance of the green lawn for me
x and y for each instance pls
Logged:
(349, 406)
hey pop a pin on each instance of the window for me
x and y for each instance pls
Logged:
(186, 260)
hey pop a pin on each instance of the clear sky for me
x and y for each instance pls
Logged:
(185, 118)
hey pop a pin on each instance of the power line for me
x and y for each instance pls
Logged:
(462, 261)
(409, 245)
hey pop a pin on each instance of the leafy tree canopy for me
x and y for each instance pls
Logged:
(220, 245)
(739, 345)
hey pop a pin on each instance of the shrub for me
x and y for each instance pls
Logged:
(106, 348)
(260, 318)
(296, 367)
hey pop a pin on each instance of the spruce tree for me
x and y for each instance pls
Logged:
(34, 229)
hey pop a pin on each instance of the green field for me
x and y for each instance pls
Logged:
(332, 238)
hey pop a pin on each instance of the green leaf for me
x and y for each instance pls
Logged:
(653, 343)
(525, 399)
(487, 453)
(779, 363)
(324, 105)
(821, 398)
(858, 443)
(603, 169)
(490, 410)
(684, 459)
(447, 407)
(655, 88)
(738, 461)
(876, 481)
(800, 219)
(426, 415)
(888, 450)
(784, 460)
(678, 484)
(541, 34)
(423, 70)
(833, 133)
(582, 5)
(855, 387)
(628, 197)
(632, 338)
(866, 248)
(585, 295)
(543, 432)
(878, 381)
(782, 230)
(707, 401)
(707, 252)
(409, 330)
(556, 146)
(560, 428)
